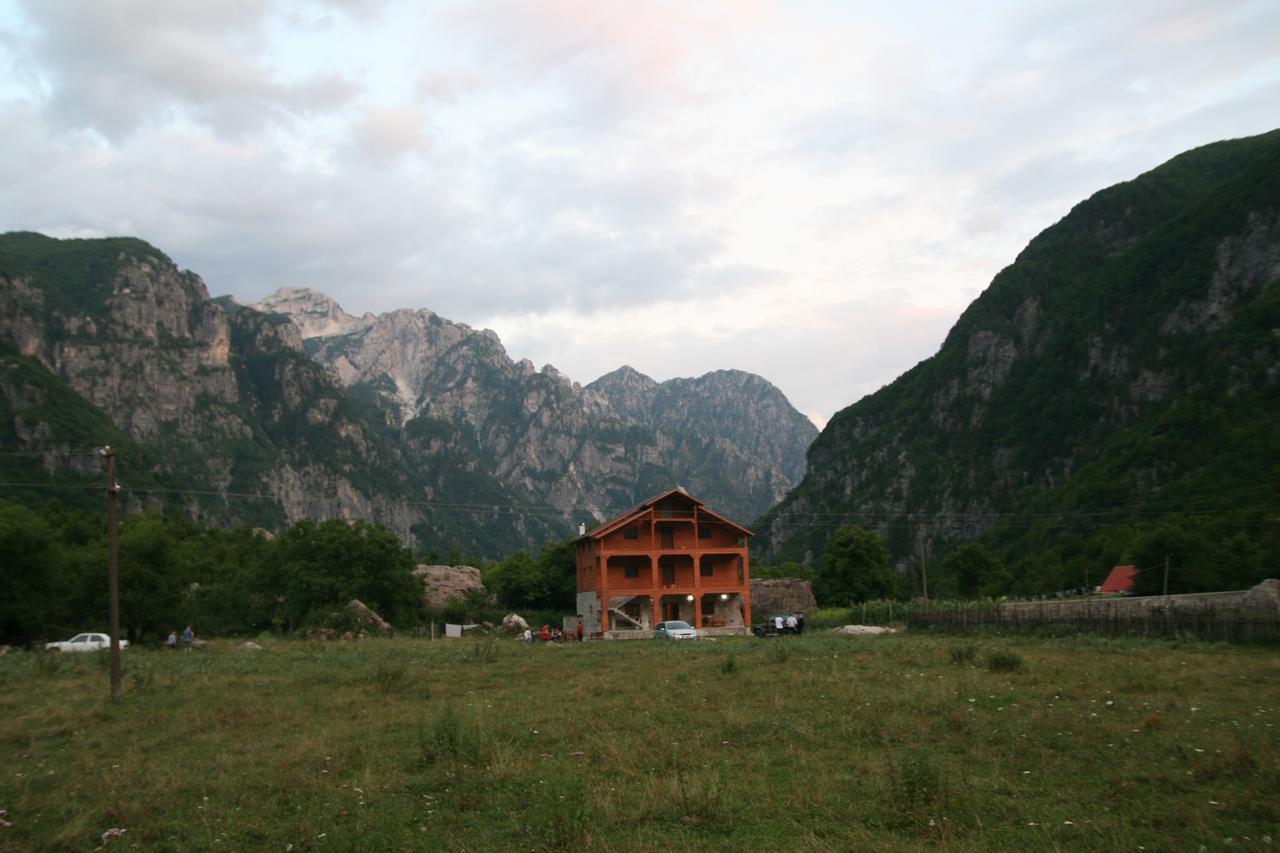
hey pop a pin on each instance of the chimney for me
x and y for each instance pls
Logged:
(582, 529)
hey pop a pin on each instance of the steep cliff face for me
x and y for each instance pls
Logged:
(226, 402)
(1127, 355)
(730, 437)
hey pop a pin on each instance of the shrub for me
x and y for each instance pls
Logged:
(963, 655)
(1004, 662)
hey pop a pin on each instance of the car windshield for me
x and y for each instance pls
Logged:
(671, 626)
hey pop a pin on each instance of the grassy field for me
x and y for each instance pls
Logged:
(810, 743)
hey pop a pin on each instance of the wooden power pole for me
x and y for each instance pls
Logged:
(113, 572)
(924, 572)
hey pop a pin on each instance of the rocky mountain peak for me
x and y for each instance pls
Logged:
(315, 314)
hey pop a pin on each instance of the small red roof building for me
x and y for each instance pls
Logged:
(670, 557)
(1119, 581)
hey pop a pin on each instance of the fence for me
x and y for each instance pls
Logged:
(1218, 616)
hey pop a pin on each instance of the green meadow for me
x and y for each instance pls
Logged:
(810, 743)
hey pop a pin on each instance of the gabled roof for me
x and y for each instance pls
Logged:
(644, 506)
(1120, 579)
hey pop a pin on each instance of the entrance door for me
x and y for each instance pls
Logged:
(670, 611)
(667, 566)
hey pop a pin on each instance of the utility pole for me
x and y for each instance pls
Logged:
(113, 571)
(1166, 574)
(924, 572)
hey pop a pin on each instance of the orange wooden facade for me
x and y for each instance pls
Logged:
(685, 559)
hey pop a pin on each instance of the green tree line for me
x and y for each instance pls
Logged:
(1203, 555)
(239, 581)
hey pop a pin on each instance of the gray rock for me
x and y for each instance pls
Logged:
(367, 619)
(1264, 597)
(249, 646)
(442, 584)
(513, 622)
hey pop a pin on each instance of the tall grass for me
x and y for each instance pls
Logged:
(886, 612)
(813, 743)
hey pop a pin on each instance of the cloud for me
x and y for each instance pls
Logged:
(113, 67)
(807, 191)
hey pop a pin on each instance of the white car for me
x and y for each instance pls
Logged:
(84, 643)
(675, 630)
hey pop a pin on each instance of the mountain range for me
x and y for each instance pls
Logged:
(1114, 394)
(295, 409)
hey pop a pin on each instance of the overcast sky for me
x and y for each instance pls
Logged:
(810, 191)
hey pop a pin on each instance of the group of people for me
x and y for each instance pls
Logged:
(788, 624)
(553, 635)
(188, 637)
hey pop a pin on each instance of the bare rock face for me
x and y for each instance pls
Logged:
(781, 595)
(1264, 597)
(442, 584)
(367, 620)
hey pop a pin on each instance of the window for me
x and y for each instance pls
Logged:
(704, 531)
(631, 533)
(706, 568)
(631, 570)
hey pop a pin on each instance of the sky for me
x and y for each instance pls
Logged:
(810, 191)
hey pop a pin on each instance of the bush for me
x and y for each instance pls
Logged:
(1004, 662)
(963, 655)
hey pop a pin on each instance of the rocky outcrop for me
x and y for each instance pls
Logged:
(367, 621)
(442, 584)
(1264, 597)
(513, 623)
(770, 596)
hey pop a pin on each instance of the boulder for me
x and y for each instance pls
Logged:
(863, 630)
(514, 623)
(1264, 597)
(249, 646)
(441, 584)
(781, 595)
(366, 619)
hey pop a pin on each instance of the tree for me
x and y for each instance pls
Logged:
(547, 583)
(320, 567)
(34, 599)
(973, 571)
(855, 567)
(1193, 565)
(152, 581)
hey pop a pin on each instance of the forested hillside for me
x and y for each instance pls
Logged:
(1113, 396)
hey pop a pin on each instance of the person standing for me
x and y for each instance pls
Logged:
(777, 625)
(791, 624)
(528, 636)
(800, 624)
(579, 630)
(172, 640)
(188, 636)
